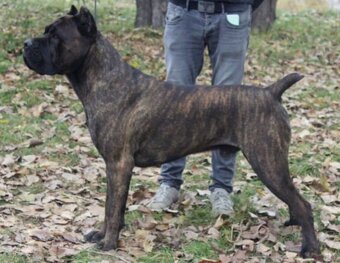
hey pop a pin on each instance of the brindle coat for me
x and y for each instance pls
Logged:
(135, 119)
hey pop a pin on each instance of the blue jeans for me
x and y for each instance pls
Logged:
(187, 34)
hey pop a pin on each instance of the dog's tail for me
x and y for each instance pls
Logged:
(277, 88)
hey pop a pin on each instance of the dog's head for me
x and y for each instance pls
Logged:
(63, 45)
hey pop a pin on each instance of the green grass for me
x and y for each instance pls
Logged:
(200, 215)
(132, 217)
(13, 258)
(164, 255)
(199, 249)
(4, 64)
(298, 34)
(7, 96)
(302, 36)
(303, 167)
(36, 188)
(90, 255)
(137, 184)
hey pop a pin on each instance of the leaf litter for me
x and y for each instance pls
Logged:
(47, 204)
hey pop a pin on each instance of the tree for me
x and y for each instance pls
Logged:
(265, 15)
(150, 13)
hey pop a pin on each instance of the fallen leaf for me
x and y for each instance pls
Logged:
(291, 255)
(9, 160)
(42, 235)
(206, 260)
(269, 213)
(147, 223)
(203, 192)
(332, 244)
(246, 244)
(219, 222)
(240, 256)
(331, 209)
(31, 179)
(304, 133)
(60, 252)
(75, 178)
(34, 142)
(263, 249)
(213, 233)
(71, 237)
(225, 258)
(37, 110)
(62, 89)
(328, 198)
(292, 247)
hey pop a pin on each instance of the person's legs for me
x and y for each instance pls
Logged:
(184, 46)
(227, 42)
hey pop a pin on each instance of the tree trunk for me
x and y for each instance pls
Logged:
(158, 12)
(150, 13)
(264, 16)
(144, 13)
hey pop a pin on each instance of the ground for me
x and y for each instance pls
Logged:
(52, 180)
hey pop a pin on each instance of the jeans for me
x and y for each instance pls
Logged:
(187, 34)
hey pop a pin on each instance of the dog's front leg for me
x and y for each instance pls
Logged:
(118, 182)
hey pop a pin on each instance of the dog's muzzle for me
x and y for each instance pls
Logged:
(32, 54)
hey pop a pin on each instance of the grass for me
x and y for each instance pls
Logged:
(302, 39)
(13, 258)
(200, 215)
(87, 256)
(164, 255)
(199, 249)
(297, 35)
(303, 167)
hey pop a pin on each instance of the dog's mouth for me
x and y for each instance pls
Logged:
(27, 63)
(32, 57)
(34, 60)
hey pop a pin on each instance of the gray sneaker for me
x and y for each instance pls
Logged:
(221, 202)
(165, 196)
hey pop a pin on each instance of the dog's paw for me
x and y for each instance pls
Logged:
(106, 245)
(311, 252)
(94, 236)
(291, 222)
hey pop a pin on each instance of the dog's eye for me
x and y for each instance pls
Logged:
(50, 30)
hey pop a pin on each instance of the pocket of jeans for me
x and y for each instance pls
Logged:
(238, 20)
(174, 14)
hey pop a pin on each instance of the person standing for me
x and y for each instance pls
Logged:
(223, 27)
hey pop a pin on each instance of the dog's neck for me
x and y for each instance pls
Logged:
(103, 65)
(93, 67)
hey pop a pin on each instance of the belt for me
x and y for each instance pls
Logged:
(209, 6)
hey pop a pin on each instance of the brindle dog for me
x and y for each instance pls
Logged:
(136, 120)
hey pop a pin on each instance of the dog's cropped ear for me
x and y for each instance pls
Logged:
(85, 22)
(73, 11)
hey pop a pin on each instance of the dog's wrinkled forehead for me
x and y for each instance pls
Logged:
(74, 24)
(61, 26)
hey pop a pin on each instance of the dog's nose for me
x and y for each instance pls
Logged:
(28, 43)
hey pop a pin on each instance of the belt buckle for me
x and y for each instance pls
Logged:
(206, 7)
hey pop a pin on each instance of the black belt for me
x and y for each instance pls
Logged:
(210, 6)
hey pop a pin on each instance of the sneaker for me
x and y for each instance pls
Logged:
(221, 202)
(165, 196)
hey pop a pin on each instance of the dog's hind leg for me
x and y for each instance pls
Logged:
(269, 159)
